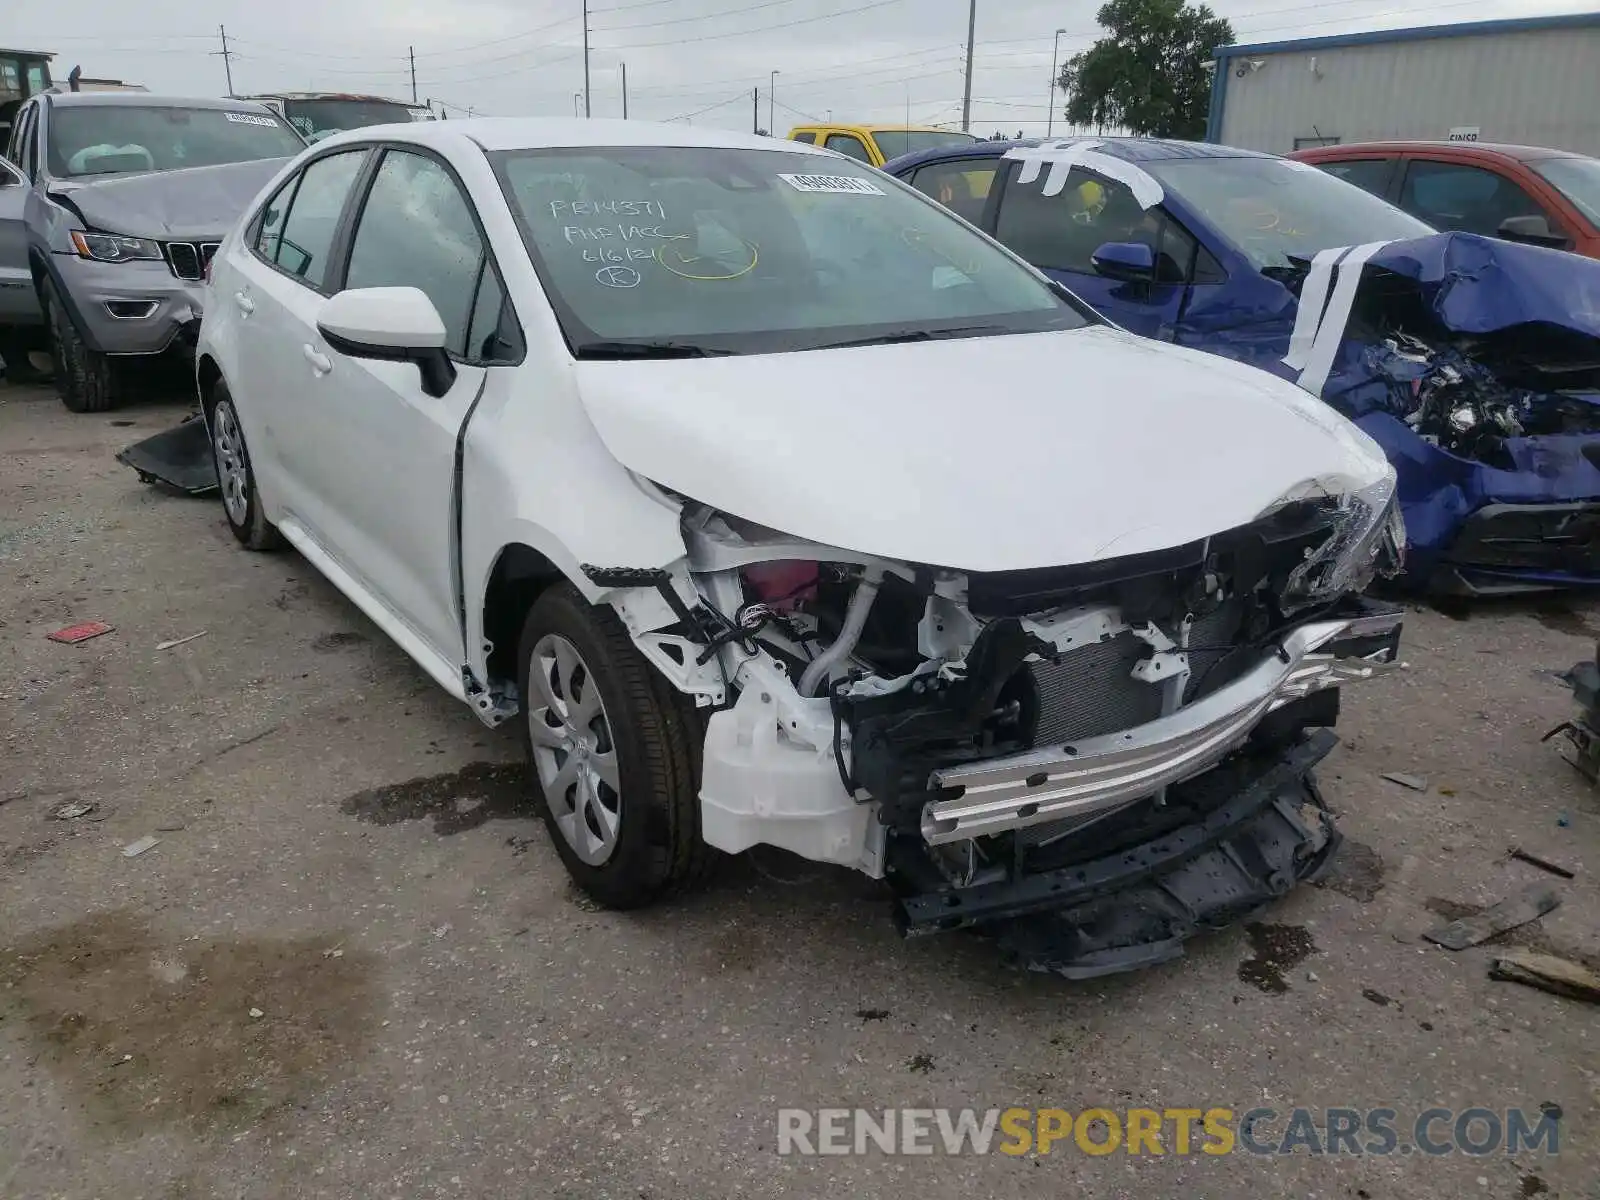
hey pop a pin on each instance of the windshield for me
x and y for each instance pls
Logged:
(102, 139)
(736, 251)
(1578, 179)
(895, 142)
(1275, 210)
(313, 117)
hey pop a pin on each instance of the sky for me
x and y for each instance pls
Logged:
(695, 60)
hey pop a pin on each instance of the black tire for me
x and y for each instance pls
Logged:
(86, 380)
(250, 525)
(656, 737)
(15, 345)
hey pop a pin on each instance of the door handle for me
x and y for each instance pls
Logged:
(246, 305)
(320, 363)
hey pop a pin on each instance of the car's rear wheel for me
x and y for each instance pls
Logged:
(241, 499)
(615, 750)
(86, 380)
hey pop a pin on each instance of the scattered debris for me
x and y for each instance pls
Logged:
(1311, 976)
(1377, 997)
(1563, 820)
(1531, 1185)
(873, 1014)
(256, 1014)
(183, 641)
(134, 849)
(81, 632)
(177, 828)
(1415, 782)
(1527, 905)
(73, 809)
(921, 1064)
(1549, 974)
(1551, 1109)
(1584, 732)
(333, 954)
(1544, 864)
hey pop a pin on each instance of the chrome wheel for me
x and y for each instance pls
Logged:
(227, 443)
(573, 751)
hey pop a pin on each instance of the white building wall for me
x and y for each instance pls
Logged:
(1534, 87)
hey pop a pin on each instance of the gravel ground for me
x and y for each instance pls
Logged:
(352, 966)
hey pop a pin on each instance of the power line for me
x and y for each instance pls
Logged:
(726, 12)
(739, 99)
(796, 111)
(844, 70)
(707, 37)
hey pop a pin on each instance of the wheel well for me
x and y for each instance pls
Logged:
(520, 574)
(36, 266)
(207, 375)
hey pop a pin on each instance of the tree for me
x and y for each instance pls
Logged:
(1149, 75)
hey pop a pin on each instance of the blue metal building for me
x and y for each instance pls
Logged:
(1534, 81)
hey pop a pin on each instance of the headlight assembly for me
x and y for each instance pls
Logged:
(1368, 539)
(110, 247)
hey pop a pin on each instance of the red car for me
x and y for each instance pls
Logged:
(1520, 193)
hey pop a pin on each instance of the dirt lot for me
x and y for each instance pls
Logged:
(353, 966)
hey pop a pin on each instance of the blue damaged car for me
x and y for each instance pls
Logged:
(1474, 362)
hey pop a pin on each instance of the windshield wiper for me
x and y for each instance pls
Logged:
(917, 335)
(605, 350)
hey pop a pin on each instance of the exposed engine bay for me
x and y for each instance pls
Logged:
(1470, 400)
(969, 735)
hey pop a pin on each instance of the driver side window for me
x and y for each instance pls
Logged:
(1062, 232)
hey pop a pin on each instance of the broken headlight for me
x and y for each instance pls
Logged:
(1368, 539)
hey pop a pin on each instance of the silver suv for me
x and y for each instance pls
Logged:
(125, 197)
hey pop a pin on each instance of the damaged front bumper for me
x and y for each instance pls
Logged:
(1505, 548)
(1101, 773)
(1257, 828)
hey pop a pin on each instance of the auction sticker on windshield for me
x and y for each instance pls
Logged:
(250, 119)
(832, 183)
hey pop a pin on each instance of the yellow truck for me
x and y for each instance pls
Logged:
(877, 144)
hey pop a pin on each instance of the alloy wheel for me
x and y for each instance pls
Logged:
(573, 750)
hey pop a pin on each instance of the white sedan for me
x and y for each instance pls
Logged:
(781, 507)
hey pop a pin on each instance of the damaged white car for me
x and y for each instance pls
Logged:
(780, 507)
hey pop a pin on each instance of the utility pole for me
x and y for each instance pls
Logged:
(227, 58)
(1055, 55)
(772, 100)
(966, 97)
(624, 91)
(412, 50)
(586, 109)
(755, 110)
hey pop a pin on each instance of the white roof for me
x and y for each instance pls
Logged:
(532, 133)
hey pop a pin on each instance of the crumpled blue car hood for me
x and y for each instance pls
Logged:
(1525, 312)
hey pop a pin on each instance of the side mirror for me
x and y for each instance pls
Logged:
(1127, 262)
(390, 324)
(1533, 230)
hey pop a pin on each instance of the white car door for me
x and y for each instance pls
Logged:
(383, 488)
(277, 276)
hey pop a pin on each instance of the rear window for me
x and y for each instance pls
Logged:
(107, 139)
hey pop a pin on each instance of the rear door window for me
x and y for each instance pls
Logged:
(300, 246)
(962, 186)
(1368, 174)
(851, 145)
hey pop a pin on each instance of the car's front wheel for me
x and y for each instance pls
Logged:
(87, 380)
(241, 500)
(615, 750)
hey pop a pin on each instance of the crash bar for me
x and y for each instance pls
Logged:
(1098, 773)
